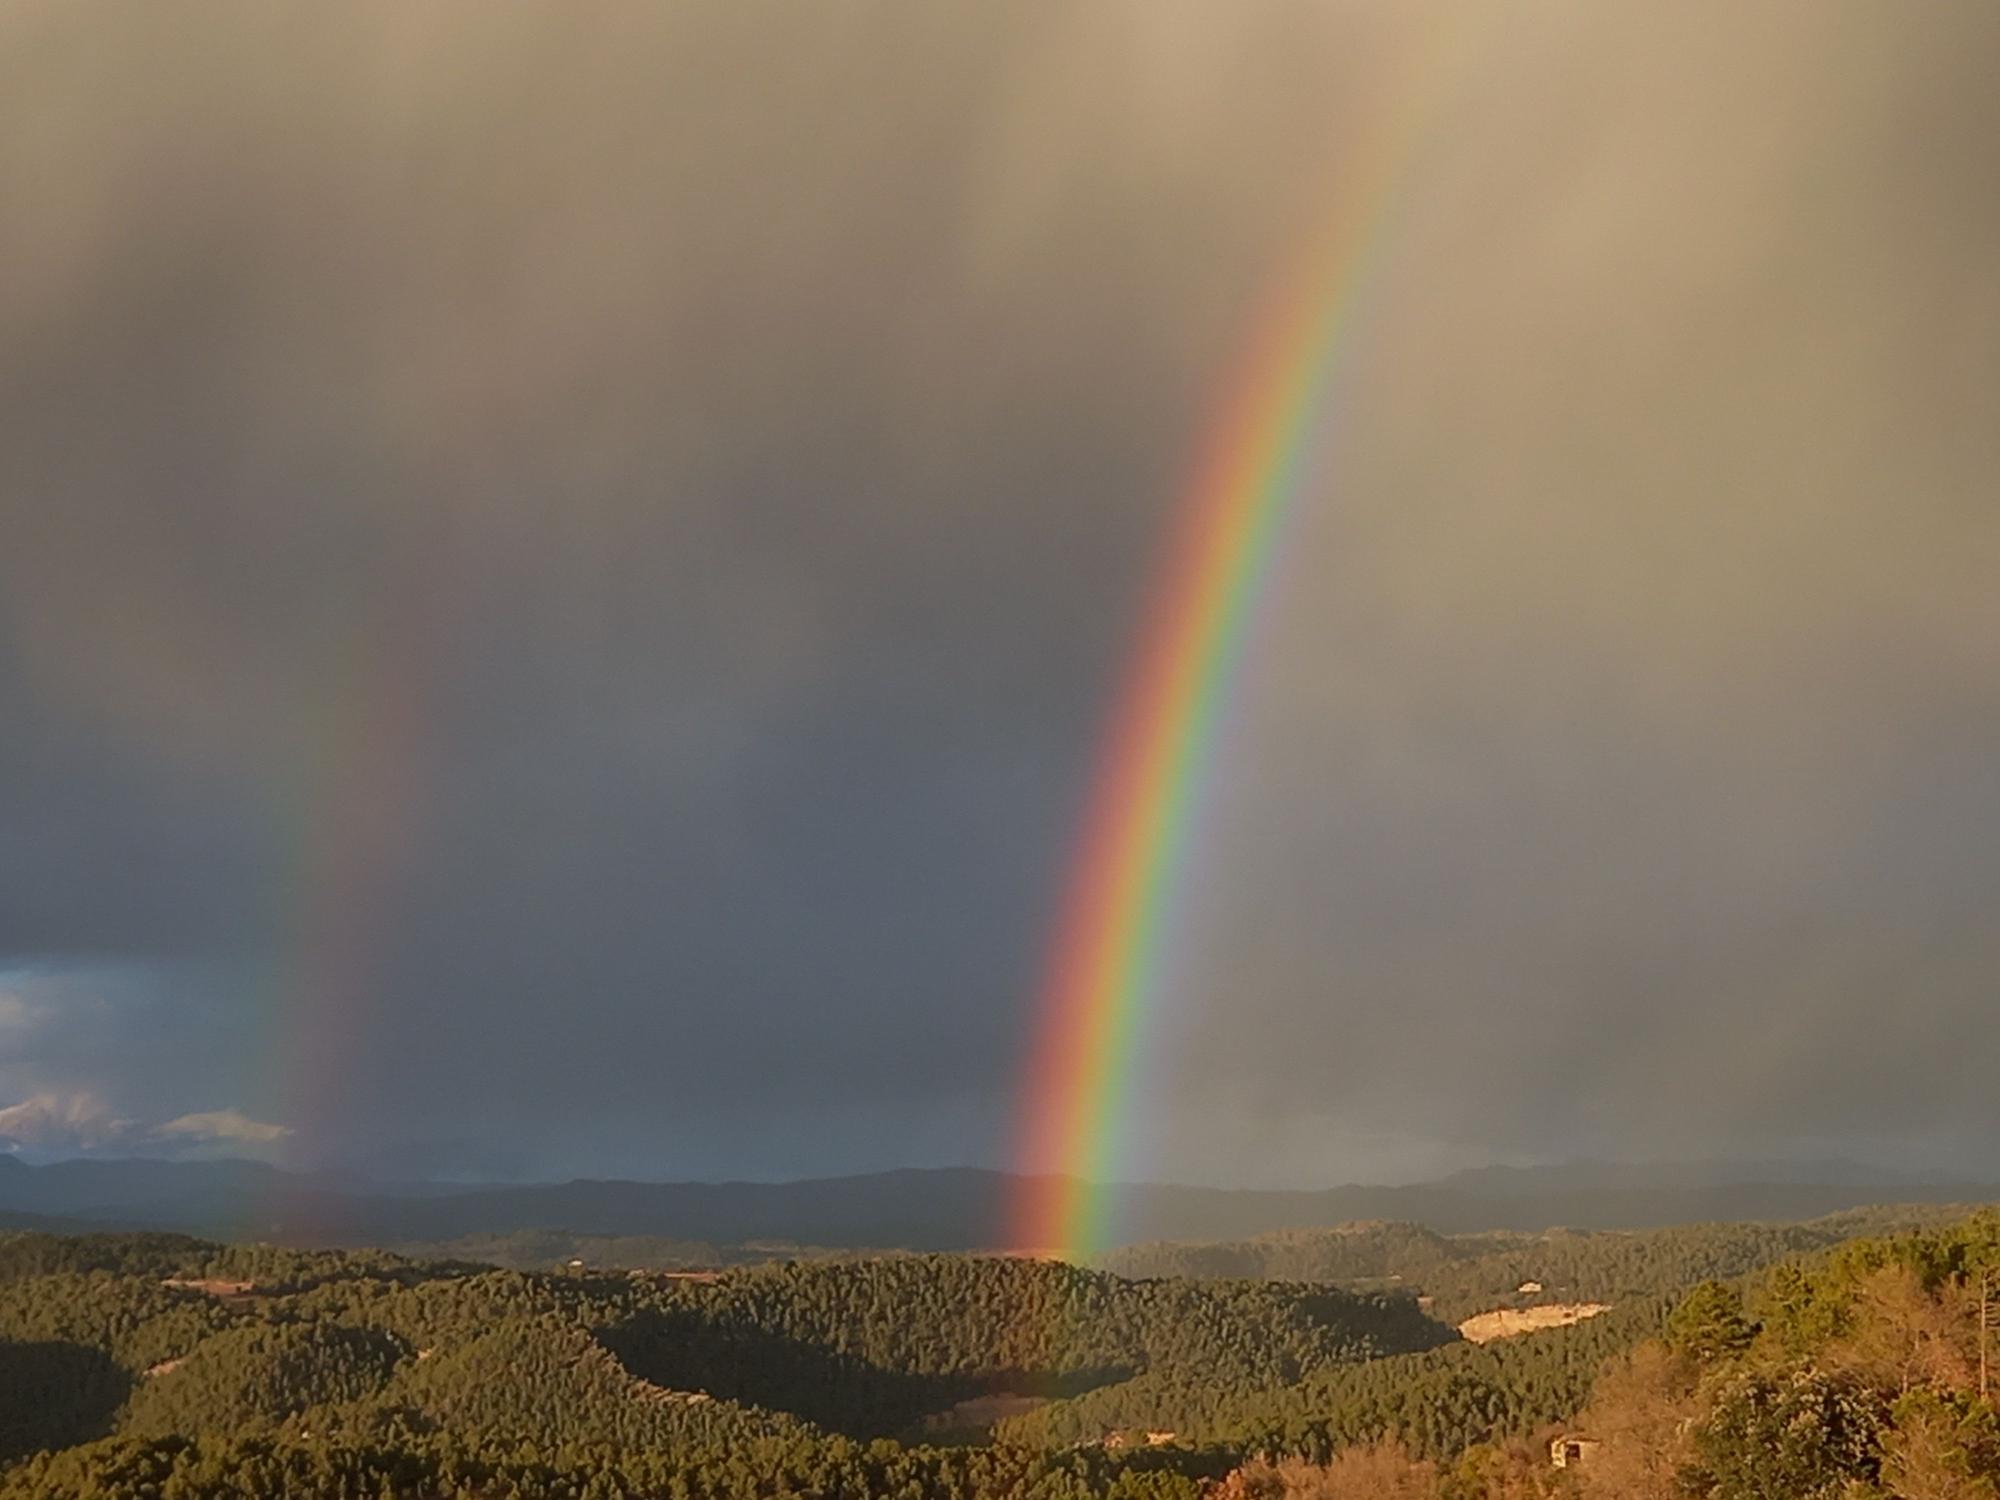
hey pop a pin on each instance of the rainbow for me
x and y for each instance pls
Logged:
(350, 813)
(1156, 757)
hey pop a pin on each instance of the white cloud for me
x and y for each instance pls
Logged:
(65, 1122)
(217, 1125)
(81, 1123)
(104, 1054)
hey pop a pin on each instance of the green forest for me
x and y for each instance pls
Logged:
(1868, 1372)
(158, 1367)
(1463, 1274)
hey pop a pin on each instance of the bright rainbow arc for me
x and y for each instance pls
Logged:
(1104, 967)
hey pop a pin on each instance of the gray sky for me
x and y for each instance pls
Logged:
(561, 571)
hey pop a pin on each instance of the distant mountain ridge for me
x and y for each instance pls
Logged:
(921, 1209)
(1503, 1181)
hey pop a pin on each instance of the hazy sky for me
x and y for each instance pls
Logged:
(560, 569)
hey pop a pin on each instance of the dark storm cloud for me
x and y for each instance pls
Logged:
(570, 572)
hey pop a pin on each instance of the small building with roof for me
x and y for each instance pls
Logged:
(1572, 1450)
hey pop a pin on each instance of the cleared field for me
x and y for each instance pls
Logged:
(1508, 1322)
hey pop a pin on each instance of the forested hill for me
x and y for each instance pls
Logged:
(119, 1352)
(1464, 1274)
(1866, 1373)
(154, 1367)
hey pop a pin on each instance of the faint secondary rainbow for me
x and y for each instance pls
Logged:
(350, 816)
(1104, 967)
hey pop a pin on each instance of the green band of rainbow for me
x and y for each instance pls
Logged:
(1103, 972)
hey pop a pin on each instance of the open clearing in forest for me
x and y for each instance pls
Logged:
(1506, 1322)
